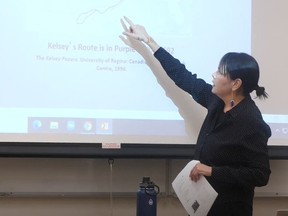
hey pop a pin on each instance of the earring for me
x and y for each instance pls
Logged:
(232, 103)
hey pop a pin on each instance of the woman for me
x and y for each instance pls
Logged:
(232, 143)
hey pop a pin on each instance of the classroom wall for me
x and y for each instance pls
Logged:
(86, 187)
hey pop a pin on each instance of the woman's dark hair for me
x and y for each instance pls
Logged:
(245, 67)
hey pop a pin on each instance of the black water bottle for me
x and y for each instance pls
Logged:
(147, 198)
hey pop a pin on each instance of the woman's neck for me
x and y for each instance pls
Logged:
(229, 104)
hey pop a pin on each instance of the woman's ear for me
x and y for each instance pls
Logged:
(237, 83)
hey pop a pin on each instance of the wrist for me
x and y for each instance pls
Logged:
(149, 40)
(152, 44)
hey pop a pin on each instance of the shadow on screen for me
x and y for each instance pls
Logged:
(191, 112)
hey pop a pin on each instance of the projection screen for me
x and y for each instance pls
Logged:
(66, 76)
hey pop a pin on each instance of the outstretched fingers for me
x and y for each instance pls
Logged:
(129, 21)
(124, 25)
(128, 31)
(136, 32)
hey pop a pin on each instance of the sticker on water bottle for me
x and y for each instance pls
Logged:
(150, 202)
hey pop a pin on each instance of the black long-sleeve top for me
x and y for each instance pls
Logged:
(234, 143)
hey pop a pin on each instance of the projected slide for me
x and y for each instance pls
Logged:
(65, 71)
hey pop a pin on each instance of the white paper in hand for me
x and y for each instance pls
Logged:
(196, 197)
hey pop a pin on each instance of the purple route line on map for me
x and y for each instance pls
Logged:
(85, 15)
